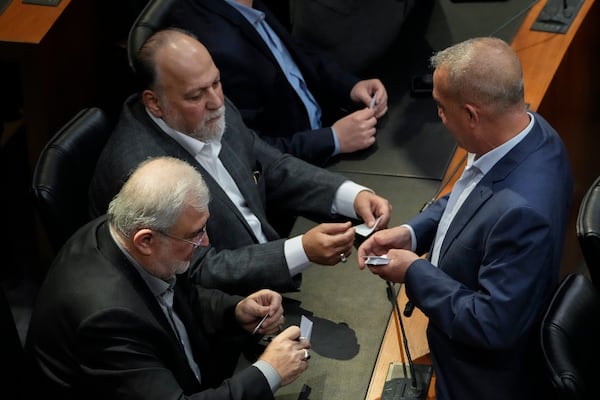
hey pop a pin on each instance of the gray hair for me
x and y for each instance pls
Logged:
(483, 70)
(155, 195)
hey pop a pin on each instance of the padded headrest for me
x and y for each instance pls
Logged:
(64, 170)
(153, 17)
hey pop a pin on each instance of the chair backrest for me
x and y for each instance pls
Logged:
(154, 16)
(570, 339)
(63, 173)
(588, 230)
(11, 349)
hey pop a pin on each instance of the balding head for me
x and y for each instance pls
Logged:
(485, 71)
(170, 51)
(155, 195)
(182, 84)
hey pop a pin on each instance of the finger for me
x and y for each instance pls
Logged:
(335, 227)
(292, 332)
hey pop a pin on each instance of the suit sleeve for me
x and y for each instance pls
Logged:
(493, 311)
(314, 146)
(121, 356)
(246, 269)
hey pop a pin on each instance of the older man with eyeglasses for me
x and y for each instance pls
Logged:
(118, 317)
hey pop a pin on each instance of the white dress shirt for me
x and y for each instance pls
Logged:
(207, 154)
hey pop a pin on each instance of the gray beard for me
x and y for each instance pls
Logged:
(215, 133)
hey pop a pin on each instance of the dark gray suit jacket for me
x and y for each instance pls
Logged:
(235, 262)
(98, 332)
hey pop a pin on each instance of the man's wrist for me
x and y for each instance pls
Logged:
(270, 374)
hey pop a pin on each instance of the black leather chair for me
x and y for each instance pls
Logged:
(63, 173)
(588, 230)
(153, 17)
(11, 349)
(570, 338)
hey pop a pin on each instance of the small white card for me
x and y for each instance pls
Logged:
(364, 230)
(376, 260)
(305, 328)
(373, 101)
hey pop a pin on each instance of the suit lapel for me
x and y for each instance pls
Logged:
(480, 194)
(174, 149)
(244, 180)
(484, 189)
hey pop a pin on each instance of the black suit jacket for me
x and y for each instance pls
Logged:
(98, 332)
(255, 83)
(267, 178)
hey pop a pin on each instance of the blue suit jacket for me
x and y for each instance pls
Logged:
(498, 265)
(255, 83)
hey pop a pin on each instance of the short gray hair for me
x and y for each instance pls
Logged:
(483, 70)
(155, 195)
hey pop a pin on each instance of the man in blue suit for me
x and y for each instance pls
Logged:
(494, 243)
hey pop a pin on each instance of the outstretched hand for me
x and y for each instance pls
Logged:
(325, 243)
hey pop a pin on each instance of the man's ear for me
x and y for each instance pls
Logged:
(472, 112)
(143, 241)
(150, 100)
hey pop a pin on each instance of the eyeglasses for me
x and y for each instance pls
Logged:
(196, 243)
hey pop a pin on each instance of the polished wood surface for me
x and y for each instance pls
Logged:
(55, 50)
(28, 23)
(54, 47)
(561, 84)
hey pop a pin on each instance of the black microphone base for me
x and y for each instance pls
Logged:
(399, 386)
(557, 16)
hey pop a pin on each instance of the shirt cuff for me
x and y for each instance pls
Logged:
(336, 143)
(270, 374)
(296, 258)
(413, 237)
(343, 202)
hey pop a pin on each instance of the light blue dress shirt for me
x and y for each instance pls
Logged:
(474, 171)
(287, 64)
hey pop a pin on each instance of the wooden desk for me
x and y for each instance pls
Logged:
(28, 23)
(561, 83)
(55, 50)
(54, 47)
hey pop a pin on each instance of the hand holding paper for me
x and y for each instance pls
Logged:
(364, 230)
(305, 328)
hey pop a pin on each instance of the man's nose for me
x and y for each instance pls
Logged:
(215, 98)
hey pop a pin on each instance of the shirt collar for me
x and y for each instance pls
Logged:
(489, 159)
(253, 15)
(192, 145)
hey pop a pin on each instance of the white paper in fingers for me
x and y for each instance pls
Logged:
(305, 328)
(364, 230)
(376, 260)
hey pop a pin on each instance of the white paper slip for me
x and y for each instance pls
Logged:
(373, 100)
(364, 230)
(376, 260)
(305, 328)
(257, 327)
